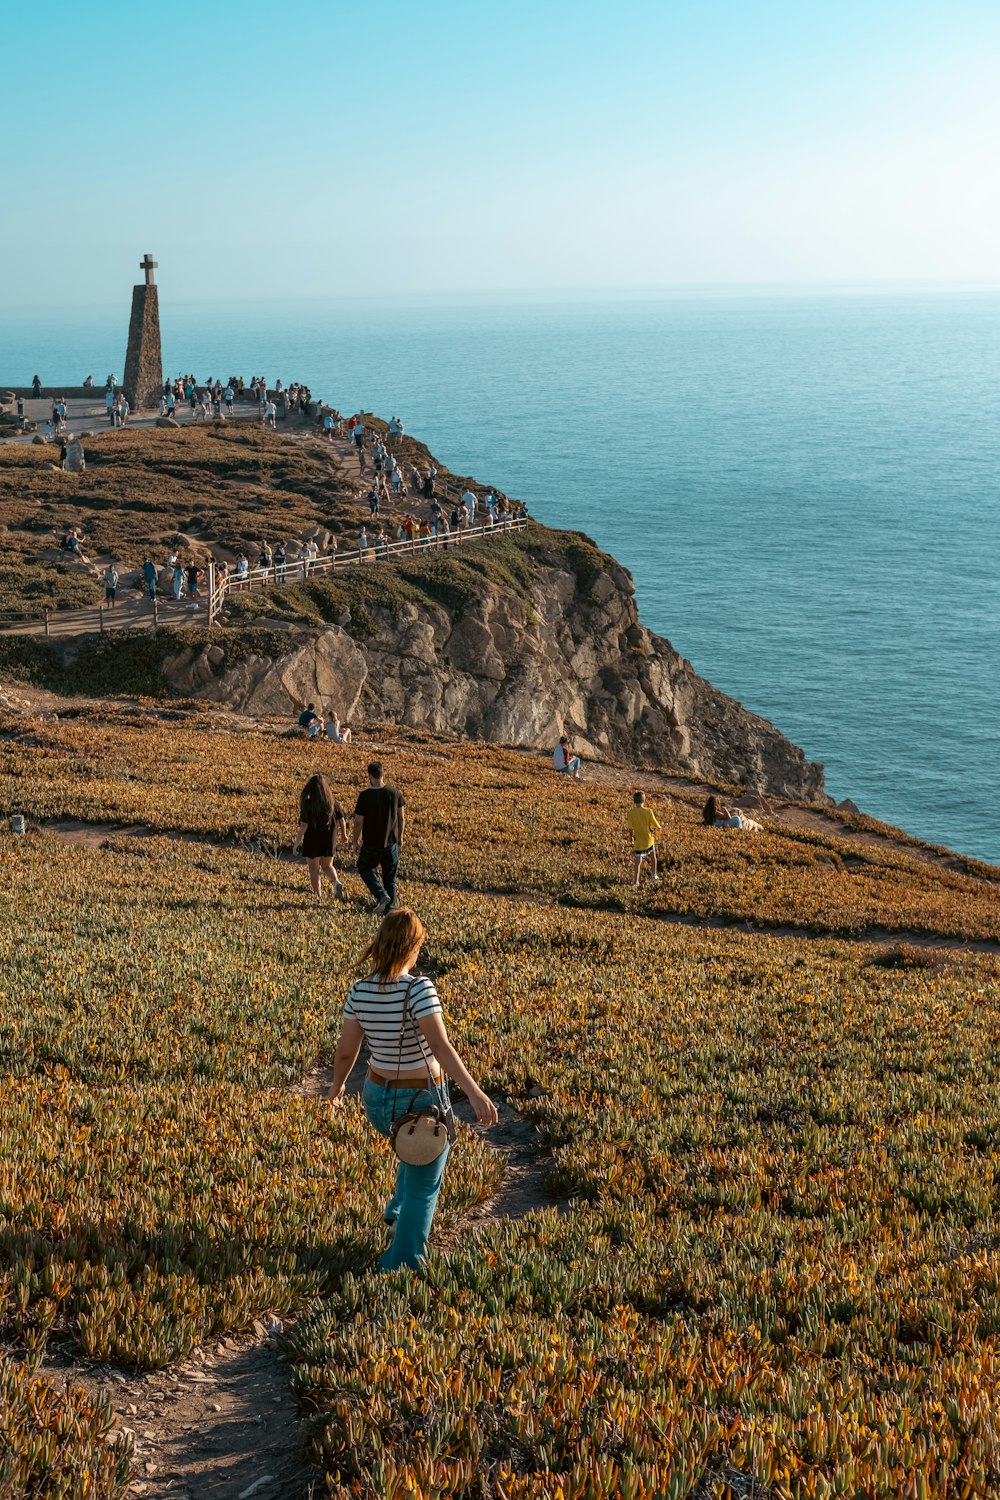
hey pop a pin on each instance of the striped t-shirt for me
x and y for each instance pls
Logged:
(378, 1007)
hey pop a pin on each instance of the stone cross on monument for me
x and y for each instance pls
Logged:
(144, 362)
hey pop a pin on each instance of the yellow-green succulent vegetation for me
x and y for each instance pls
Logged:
(772, 1261)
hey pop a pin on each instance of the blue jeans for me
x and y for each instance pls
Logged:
(412, 1205)
(387, 862)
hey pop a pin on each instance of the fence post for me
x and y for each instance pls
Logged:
(156, 613)
(100, 616)
(211, 590)
(46, 622)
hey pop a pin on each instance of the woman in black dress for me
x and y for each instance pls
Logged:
(322, 822)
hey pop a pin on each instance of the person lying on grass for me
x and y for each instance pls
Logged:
(717, 814)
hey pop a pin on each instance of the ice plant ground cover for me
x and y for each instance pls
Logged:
(491, 819)
(781, 1260)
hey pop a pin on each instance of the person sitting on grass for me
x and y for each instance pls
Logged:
(399, 1014)
(322, 824)
(718, 814)
(339, 733)
(643, 825)
(72, 544)
(565, 762)
(310, 720)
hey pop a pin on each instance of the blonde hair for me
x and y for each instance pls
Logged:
(401, 932)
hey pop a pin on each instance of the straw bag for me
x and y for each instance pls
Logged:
(419, 1136)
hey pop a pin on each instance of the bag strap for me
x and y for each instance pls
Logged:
(399, 1054)
(437, 1092)
(402, 1024)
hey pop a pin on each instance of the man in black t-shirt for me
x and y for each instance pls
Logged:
(379, 818)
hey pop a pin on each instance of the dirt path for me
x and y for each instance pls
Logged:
(527, 1161)
(221, 1426)
(528, 1165)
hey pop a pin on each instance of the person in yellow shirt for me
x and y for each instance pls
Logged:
(644, 828)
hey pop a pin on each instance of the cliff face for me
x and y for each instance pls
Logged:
(566, 654)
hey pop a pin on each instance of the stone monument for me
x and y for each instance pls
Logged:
(144, 363)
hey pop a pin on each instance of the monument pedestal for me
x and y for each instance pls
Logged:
(143, 381)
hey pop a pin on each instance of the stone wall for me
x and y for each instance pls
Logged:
(50, 392)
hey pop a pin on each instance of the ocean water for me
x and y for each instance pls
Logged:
(805, 488)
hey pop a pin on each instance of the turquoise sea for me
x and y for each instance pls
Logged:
(805, 488)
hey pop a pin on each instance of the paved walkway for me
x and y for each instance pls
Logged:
(135, 612)
(130, 613)
(89, 415)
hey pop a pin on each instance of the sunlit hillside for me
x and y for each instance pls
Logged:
(769, 1264)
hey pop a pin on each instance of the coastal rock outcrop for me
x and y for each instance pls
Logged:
(325, 667)
(566, 654)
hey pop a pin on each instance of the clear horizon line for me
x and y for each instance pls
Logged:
(651, 291)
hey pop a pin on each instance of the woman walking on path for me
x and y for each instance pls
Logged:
(323, 820)
(399, 1014)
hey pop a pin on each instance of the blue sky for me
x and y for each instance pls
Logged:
(263, 150)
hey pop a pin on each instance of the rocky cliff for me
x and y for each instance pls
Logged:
(560, 649)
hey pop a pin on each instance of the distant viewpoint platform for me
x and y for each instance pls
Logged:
(86, 411)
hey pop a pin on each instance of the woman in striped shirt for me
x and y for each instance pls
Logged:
(402, 1060)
